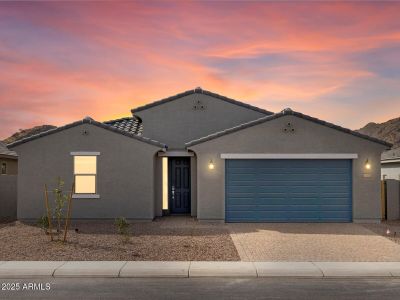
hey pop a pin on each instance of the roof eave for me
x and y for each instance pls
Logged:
(285, 112)
(200, 91)
(388, 161)
(9, 156)
(87, 120)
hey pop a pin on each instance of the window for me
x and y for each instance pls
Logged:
(85, 172)
(3, 168)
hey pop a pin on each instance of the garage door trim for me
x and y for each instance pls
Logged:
(289, 155)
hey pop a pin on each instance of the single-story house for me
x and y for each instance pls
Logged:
(8, 182)
(209, 156)
(390, 164)
(8, 160)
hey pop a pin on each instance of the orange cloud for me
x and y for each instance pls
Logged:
(63, 61)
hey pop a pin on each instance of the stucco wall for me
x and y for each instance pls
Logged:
(12, 165)
(8, 197)
(125, 173)
(269, 137)
(176, 122)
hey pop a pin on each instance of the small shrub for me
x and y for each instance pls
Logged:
(122, 226)
(60, 200)
(43, 223)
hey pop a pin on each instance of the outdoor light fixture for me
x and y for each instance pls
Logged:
(211, 165)
(367, 165)
(388, 231)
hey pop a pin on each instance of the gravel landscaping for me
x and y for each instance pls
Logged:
(164, 239)
(381, 229)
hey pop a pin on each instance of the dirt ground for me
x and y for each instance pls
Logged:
(164, 239)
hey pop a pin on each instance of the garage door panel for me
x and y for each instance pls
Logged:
(242, 177)
(288, 191)
(241, 189)
(340, 216)
(335, 208)
(287, 216)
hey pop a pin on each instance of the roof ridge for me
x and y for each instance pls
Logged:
(199, 90)
(87, 120)
(286, 111)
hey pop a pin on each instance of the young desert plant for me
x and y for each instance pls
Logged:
(60, 200)
(122, 226)
(43, 222)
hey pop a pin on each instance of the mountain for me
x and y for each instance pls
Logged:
(388, 131)
(24, 133)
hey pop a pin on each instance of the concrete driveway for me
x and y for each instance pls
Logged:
(311, 242)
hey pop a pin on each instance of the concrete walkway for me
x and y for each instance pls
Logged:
(34, 269)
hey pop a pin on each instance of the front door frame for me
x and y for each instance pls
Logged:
(170, 181)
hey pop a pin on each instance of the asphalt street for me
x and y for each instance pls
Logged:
(200, 288)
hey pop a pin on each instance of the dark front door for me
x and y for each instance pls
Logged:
(179, 185)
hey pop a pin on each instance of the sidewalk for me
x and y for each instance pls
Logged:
(157, 269)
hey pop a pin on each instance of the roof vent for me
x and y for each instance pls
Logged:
(198, 89)
(87, 118)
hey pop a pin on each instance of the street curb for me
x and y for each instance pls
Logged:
(196, 269)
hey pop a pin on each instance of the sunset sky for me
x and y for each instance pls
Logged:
(60, 62)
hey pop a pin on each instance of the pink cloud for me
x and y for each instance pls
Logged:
(63, 61)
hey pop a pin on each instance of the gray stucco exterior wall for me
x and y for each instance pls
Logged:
(177, 122)
(125, 173)
(269, 137)
(8, 197)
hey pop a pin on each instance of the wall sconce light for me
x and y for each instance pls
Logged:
(211, 165)
(367, 165)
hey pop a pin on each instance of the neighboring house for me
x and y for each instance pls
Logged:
(8, 161)
(210, 156)
(390, 164)
(8, 183)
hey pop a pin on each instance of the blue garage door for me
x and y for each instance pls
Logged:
(288, 190)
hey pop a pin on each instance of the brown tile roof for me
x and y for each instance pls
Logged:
(128, 124)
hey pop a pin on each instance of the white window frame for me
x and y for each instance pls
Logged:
(95, 195)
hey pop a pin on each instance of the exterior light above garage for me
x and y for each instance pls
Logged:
(367, 165)
(211, 165)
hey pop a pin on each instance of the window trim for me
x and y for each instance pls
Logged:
(94, 195)
(84, 153)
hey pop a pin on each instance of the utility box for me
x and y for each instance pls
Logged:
(393, 199)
